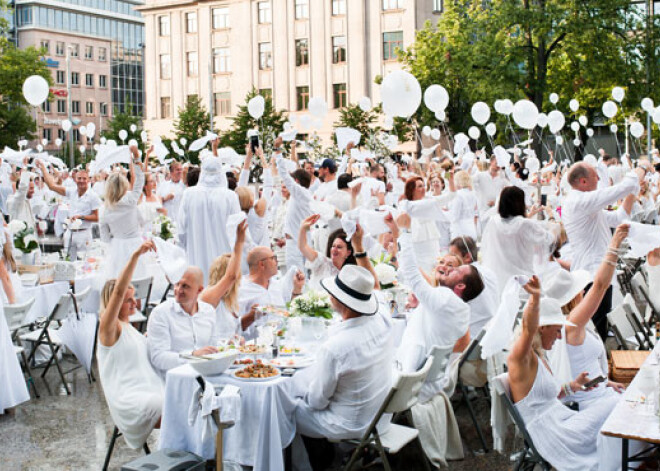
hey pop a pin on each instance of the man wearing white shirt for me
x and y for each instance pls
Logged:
(588, 224)
(488, 186)
(183, 325)
(373, 186)
(327, 173)
(171, 191)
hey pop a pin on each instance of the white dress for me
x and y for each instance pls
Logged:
(462, 211)
(133, 390)
(149, 212)
(13, 390)
(321, 267)
(568, 440)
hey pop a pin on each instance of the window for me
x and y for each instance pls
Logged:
(191, 22)
(45, 45)
(338, 49)
(165, 70)
(437, 6)
(76, 135)
(61, 106)
(103, 109)
(103, 81)
(221, 60)
(267, 93)
(191, 60)
(75, 50)
(25, 16)
(392, 4)
(45, 106)
(165, 107)
(392, 42)
(89, 80)
(75, 78)
(75, 107)
(221, 18)
(102, 54)
(265, 56)
(265, 13)
(302, 52)
(89, 53)
(338, 7)
(89, 107)
(222, 103)
(302, 9)
(339, 95)
(60, 77)
(47, 134)
(302, 98)
(59, 48)
(61, 134)
(163, 26)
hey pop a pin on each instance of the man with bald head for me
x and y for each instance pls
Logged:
(183, 325)
(588, 223)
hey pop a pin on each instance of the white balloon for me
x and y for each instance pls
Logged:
(103, 140)
(133, 128)
(83, 130)
(656, 115)
(66, 125)
(491, 129)
(647, 105)
(44, 142)
(318, 107)
(144, 136)
(401, 94)
(542, 120)
(132, 143)
(256, 106)
(440, 115)
(40, 148)
(365, 104)
(532, 164)
(618, 93)
(96, 147)
(590, 132)
(559, 140)
(435, 134)
(574, 105)
(389, 122)
(576, 142)
(318, 123)
(637, 129)
(426, 130)
(123, 134)
(556, 121)
(480, 112)
(183, 141)
(554, 98)
(498, 106)
(591, 160)
(35, 90)
(583, 120)
(525, 114)
(58, 142)
(507, 106)
(474, 132)
(609, 109)
(306, 121)
(614, 128)
(91, 130)
(436, 98)
(575, 126)
(82, 149)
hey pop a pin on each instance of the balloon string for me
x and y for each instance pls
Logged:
(540, 135)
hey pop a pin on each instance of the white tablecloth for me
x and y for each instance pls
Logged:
(13, 390)
(265, 428)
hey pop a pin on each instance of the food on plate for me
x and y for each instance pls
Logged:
(251, 349)
(246, 361)
(278, 311)
(258, 371)
(284, 362)
(226, 348)
(284, 350)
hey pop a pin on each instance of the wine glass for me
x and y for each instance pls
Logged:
(646, 383)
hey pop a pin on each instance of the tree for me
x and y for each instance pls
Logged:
(123, 120)
(192, 122)
(352, 116)
(270, 124)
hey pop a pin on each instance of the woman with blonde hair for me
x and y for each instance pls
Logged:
(11, 283)
(133, 390)
(150, 204)
(463, 210)
(120, 222)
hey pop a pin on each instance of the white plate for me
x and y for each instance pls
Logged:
(234, 366)
(301, 352)
(303, 362)
(256, 380)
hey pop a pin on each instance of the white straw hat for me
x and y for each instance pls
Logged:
(564, 285)
(551, 313)
(353, 287)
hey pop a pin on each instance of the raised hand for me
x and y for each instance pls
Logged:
(310, 221)
(240, 232)
(533, 286)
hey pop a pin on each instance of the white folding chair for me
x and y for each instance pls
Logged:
(15, 315)
(641, 291)
(440, 357)
(643, 331)
(401, 398)
(530, 457)
(624, 333)
(142, 289)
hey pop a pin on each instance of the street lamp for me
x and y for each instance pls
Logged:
(68, 103)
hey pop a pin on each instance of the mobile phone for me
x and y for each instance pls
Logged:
(544, 200)
(254, 143)
(594, 382)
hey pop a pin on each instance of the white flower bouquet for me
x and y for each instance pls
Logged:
(311, 304)
(385, 271)
(163, 227)
(24, 238)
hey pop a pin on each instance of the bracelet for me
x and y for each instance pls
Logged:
(566, 388)
(610, 263)
(360, 254)
(277, 149)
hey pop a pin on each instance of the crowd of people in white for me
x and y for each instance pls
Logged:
(456, 230)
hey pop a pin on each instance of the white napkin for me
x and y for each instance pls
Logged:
(161, 151)
(201, 407)
(15, 157)
(643, 238)
(499, 330)
(373, 222)
(171, 258)
(502, 156)
(346, 135)
(349, 222)
(78, 336)
(325, 210)
(46, 157)
(230, 404)
(288, 136)
(200, 143)
(355, 182)
(232, 223)
(107, 156)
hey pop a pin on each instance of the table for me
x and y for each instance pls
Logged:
(265, 428)
(631, 420)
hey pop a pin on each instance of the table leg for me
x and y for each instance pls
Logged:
(624, 454)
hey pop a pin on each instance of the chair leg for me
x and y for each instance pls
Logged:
(354, 456)
(59, 369)
(146, 449)
(108, 455)
(422, 453)
(29, 373)
(381, 451)
(468, 403)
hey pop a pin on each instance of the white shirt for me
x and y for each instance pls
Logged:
(488, 188)
(171, 330)
(82, 205)
(172, 206)
(122, 220)
(588, 224)
(299, 200)
(325, 190)
(278, 292)
(368, 184)
(484, 306)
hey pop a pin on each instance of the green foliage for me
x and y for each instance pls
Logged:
(270, 125)
(352, 116)
(192, 122)
(123, 120)
(15, 123)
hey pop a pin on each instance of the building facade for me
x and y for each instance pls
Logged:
(289, 49)
(103, 40)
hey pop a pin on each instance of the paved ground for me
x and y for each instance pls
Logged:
(59, 432)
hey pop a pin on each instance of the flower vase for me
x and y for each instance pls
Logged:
(28, 258)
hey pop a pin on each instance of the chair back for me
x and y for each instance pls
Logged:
(440, 357)
(63, 308)
(643, 332)
(142, 287)
(15, 314)
(79, 299)
(404, 392)
(641, 287)
(621, 327)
